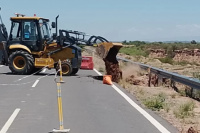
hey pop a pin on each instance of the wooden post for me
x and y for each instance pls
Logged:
(159, 80)
(149, 82)
(149, 73)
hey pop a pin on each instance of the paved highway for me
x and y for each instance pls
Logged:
(28, 104)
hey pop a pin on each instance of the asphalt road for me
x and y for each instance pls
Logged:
(28, 104)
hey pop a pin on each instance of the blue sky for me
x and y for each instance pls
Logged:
(117, 20)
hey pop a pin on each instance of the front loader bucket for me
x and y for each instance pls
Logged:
(104, 48)
(108, 52)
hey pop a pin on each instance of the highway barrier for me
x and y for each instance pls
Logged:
(87, 63)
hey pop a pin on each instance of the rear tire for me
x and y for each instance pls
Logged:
(66, 68)
(74, 71)
(21, 62)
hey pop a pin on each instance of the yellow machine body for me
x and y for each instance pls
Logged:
(47, 59)
(19, 46)
(27, 18)
(64, 54)
(43, 58)
(42, 62)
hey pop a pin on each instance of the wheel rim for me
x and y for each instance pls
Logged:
(65, 69)
(19, 62)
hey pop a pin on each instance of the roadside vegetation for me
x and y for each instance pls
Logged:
(168, 46)
(141, 48)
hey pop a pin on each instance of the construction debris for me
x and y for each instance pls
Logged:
(191, 130)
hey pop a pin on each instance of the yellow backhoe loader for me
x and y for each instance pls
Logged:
(29, 47)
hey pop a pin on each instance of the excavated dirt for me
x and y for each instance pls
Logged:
(112, 65)
(191, 130)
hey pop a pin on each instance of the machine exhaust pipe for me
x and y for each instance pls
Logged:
(57, 25)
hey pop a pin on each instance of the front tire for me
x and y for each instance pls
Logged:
(21, 62)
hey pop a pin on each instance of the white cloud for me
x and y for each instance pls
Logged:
(188, 27)
(133, 29)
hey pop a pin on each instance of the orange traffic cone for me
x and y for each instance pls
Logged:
(107, 79)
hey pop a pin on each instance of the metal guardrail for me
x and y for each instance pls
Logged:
(192, 82)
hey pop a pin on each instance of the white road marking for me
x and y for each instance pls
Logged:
(138, 108)
(22, 78)
(1, 65)
(44, 70)
(10, 121)
(97, 72)
(35, 83)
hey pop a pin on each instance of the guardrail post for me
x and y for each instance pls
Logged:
(172, 83)
(192, 92)
(149, 81)
(160, 80)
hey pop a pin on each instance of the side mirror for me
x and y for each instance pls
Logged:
(53, 25)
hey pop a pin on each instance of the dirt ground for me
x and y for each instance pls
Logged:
(135, 81)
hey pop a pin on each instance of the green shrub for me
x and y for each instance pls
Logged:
(182, 63)
(173, 95)
(196, 94)
(134, 51)
(182, 92)
(155, 103)
(166, 107)
(185, 110)
(166, 60)
(196, 75)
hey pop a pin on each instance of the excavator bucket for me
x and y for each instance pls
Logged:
(108, 52)
(105, 49)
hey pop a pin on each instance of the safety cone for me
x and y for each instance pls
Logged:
(107, 79)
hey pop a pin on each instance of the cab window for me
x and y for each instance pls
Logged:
(16, 31)
(30, 31)
(44, 29)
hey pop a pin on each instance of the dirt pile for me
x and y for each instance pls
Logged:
(191, 130)
(136, 80)
(187, 55)
(134, 75)
(157, 53)
(112, 65)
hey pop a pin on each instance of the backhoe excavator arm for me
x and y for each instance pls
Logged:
(3, 31)
(3, 39)
(80, 38)
(68, 37)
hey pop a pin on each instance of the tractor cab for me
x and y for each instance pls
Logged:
(31, 32)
